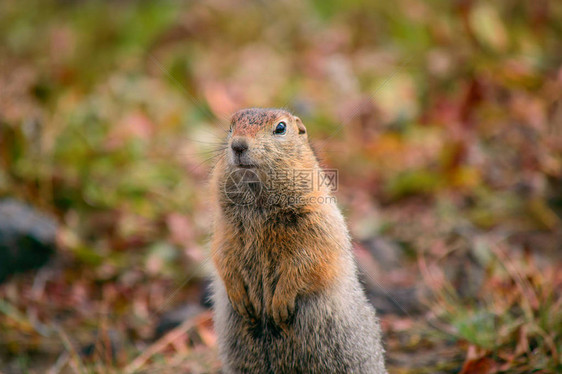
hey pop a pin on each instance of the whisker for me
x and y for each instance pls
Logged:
(196, 167)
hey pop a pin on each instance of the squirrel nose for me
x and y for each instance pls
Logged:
(239, 145)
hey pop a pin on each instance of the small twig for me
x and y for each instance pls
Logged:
(74, 358)
(164, 341)
(530, 297)
(61, 362)
(15, 315)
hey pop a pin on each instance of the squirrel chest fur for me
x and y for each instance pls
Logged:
(286, 294)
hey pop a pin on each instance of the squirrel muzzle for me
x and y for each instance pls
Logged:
(240, 153)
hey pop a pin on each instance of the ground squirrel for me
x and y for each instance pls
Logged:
(286, 294)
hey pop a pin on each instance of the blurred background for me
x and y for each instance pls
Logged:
(444, 119)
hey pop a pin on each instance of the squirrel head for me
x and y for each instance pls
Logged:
(266, 150)
(266, 138)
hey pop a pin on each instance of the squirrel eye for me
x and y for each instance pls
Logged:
(280, 129)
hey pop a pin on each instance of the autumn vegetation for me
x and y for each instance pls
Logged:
(443, 119)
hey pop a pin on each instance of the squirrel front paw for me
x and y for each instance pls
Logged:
(241, 303)
(281, 309)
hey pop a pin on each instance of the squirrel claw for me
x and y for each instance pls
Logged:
(282, 311)
(244, 308)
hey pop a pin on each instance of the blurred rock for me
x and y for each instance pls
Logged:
(188, 310)
(399, 301)
(379, 258)
(387, 253)
(27, 238)
(175, 317)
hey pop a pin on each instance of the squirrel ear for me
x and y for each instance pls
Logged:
(300, 125)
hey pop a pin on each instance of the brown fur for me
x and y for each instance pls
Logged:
(284, 264)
